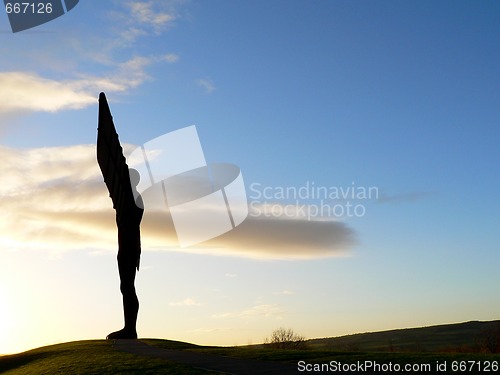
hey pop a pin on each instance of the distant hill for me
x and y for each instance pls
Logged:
(472, 336)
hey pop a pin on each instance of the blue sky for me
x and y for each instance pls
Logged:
(401, 96)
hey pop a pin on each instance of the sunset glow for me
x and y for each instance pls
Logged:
(366, 134)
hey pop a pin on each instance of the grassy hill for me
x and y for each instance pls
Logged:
(86, 357)
(463, 337)
(415, 346)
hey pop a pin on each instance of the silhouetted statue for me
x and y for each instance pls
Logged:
(121, 183)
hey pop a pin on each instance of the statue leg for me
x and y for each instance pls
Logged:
(130, 300)
(127, 270)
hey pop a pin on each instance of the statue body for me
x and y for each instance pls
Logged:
(117, 177)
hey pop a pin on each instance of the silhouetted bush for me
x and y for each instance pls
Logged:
(283, 338)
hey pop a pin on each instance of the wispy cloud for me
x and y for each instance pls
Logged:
(186, 302)
(170, 58)
(136, 19)
(285, 292)
(206, 84)
(404, 197)
(150, 14)
(62, 78)
(22, 92)
(264, 310)
(210, 330)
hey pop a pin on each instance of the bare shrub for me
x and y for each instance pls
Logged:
(286, 338)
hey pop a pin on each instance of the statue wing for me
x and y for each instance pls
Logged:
(111, 160)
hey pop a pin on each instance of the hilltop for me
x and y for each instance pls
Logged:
(427, 346)
(474, 336)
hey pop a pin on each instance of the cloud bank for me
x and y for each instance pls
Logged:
(54, 199)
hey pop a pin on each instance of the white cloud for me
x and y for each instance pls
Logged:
(285, 292)
(149, 14)
(24, 91)
(29, 92)
(206, 84)
(171, 58)
(279, 238)
(186, 302)
(209, 330)
(264, 310)
(137, 19)
(256, 237)
(55, 198)
(132, 33)
(70, 85)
